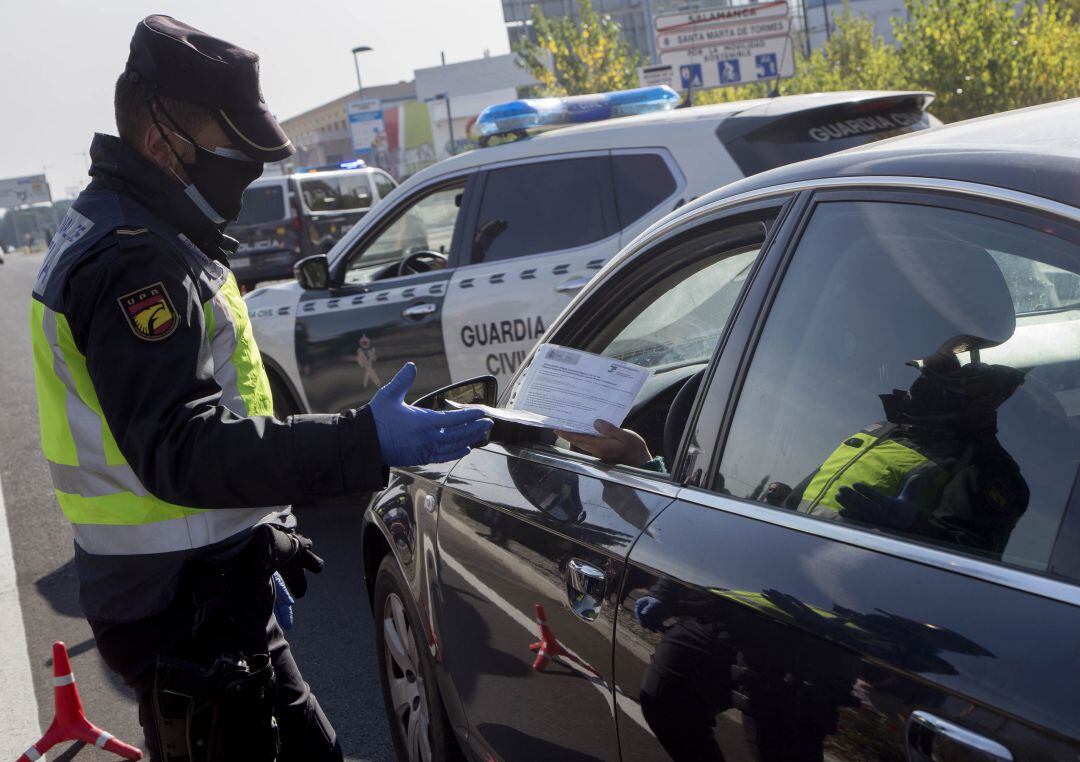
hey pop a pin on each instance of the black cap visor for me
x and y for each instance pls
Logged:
(256, 133)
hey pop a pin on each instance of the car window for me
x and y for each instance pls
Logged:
(425, 224)
(665, 311)
(384, 184)
(918, 375)
(262, 203)
(679, 319)
(542, 206)
(642, 181)
(338, 193)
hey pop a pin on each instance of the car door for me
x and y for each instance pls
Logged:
(352, 338)
(532, 536)
(866, 562)
(544, 226)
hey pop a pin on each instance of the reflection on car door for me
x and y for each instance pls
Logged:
(543, 229)
(768, 616)
(352, 339)
(526, 537)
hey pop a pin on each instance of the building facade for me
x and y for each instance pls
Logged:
(321, 135)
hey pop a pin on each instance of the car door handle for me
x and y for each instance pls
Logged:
(585, 589)
(419, 310)
(573, 285)
(925, 731)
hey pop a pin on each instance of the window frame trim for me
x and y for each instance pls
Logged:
(996, 202)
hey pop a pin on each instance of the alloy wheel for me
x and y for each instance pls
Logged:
(405, 680)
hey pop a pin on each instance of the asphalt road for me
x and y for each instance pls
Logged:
(332, 639)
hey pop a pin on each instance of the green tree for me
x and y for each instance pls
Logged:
(978, 56)
(572, 56)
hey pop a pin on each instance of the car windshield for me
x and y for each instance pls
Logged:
(336, 193)
(262, 203)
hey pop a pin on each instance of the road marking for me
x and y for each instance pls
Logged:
(19, 711)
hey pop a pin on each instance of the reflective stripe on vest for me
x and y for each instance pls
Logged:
(878, 462)
(112, 512)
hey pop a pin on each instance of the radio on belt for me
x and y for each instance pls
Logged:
(532, 113)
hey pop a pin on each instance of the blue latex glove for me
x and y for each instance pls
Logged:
(412, 436)
(650, 613)
(283, 602)
(861, 502)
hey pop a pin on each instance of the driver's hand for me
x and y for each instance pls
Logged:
(611, 444)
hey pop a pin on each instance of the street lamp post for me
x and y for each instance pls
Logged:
(449, 119)
(356, 62)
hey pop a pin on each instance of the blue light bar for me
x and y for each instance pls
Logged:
(354, 164)
(530, 113)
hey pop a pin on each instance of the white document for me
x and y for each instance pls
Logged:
(568, 390)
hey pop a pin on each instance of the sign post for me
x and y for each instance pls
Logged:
(725, 46)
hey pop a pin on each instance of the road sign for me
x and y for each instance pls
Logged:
(17, 191)
(706, 36)
(651, 76)
(736, 63)
(669, 22)
(727, 46)
(366, 127)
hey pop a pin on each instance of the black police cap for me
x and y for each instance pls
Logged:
(179, 61)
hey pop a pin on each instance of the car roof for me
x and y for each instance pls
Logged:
(638, 130)
(1034, 150)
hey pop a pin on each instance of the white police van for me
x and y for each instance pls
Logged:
(462, 267)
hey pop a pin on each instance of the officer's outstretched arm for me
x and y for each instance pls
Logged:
(153, 340)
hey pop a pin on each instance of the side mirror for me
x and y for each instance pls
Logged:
(482, 390)
(313, 273)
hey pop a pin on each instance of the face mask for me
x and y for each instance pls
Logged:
(218, 178)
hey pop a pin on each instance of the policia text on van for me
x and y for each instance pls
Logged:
(156, 415)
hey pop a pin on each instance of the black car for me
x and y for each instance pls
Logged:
(864, 543)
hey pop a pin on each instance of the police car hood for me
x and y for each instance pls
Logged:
(286, 293)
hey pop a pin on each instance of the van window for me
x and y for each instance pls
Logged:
(384, 184)
(543, 206)
(642, 181)
(336, 193)
(262, 203)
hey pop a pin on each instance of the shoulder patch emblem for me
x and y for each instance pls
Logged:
(149, 311)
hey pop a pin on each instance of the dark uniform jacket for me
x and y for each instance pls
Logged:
(163, 408)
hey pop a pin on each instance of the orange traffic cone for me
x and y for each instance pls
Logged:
(69, 722)
(548, 647)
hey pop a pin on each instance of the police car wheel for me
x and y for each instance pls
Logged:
(419, 726)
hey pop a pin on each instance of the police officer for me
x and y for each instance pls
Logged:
(157, 419)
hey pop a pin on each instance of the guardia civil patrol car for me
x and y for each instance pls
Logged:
(462, 267)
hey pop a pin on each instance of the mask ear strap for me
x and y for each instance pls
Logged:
(151, 102)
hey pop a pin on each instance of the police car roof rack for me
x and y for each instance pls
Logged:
(519, 117)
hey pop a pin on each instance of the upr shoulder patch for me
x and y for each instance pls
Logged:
(149, 311)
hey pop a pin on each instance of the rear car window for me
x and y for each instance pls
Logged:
(262, 203)
(543, 206)
(642, 181)
(336, 194)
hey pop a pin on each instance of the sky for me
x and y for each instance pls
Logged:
(59, 60)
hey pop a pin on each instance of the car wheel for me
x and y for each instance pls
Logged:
(418, 723)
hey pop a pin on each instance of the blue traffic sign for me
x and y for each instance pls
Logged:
(729, 71)
(690, 74)
(766, 65)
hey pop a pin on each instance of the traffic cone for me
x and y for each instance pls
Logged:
(548, 647)
(69, 721)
